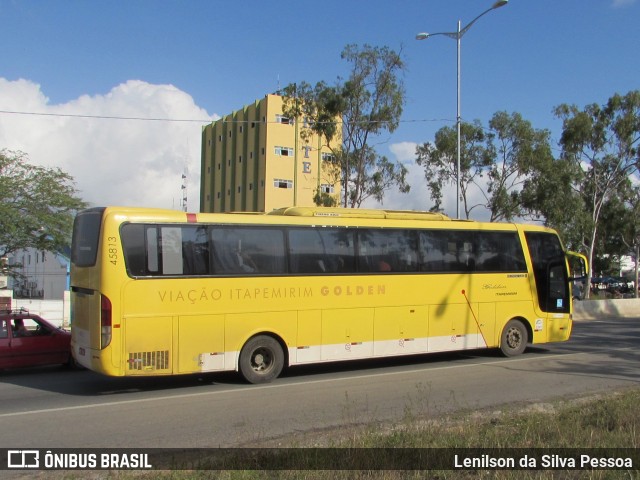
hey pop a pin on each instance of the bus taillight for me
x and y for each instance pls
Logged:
(105, 321)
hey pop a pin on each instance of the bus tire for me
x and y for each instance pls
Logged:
(514, 338)
(261, 359)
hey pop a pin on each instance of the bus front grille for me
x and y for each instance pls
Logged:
(158, 360)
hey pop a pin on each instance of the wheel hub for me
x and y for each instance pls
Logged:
(513, 338)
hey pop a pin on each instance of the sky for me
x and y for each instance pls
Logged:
(116, 93)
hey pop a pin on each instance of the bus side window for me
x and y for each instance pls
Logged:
(432, 248)
(387, 251)
(225, 251)
(263, 249)
(136, 249)
(195, 251)
(247, 250)
(343, 249)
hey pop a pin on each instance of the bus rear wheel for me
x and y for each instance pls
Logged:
(514, 338)
(261, 359)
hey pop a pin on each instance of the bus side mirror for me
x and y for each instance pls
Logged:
(578, 269)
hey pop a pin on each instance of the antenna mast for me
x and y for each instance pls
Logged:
(184, 189)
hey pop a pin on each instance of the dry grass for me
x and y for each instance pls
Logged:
(605, 421)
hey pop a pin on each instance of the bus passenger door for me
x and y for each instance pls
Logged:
(558, 302)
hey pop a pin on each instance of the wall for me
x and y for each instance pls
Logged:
(55, 311)
(594, 309)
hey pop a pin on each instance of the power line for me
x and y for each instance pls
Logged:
(106, 117)
(190, 120)
(157, 119)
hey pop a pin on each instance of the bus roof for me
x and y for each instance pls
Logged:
(356, 217)
(358, 213)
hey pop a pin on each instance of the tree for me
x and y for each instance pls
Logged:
(368, 103)
(630, 234)
(440, 162)
(37, 205)
(503, 155)
(620, 222)
(517, 149)
(601, 142)
(549, 195)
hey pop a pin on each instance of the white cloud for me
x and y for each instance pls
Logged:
(404, 151)
(113, 161)
(418, 196)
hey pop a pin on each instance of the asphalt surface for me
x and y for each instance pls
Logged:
(52, 407)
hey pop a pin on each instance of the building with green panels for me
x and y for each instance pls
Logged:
(256, 160)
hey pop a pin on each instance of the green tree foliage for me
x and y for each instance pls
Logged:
(601, 143)
(440, 162)
(369, 103)
(37, 205)
(620, 230)
(495, 162)
(516, 149)
(630, 232)
(549, 195)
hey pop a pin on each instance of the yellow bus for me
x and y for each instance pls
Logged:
(160, 292)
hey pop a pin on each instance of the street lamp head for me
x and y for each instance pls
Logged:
(422, 36)
(500, 3)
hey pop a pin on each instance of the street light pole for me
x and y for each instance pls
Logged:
(458, 121)
(457, 35)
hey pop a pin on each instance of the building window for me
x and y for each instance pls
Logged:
(229, 133)
(239, 158)
(241, 128)
(250, 186)
(239, 189)
(281, 183)
(253, 124)
(208, 170)
(218, 195)
(262, 150)
(251, 155)
(326, 188)
(283, 120)
(219, 138)
(284, 151)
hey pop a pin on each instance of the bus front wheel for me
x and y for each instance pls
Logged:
(261, 359)
(514, 338)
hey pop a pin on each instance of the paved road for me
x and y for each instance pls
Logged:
(50, 407)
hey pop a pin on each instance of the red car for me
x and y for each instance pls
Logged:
(27, 340)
